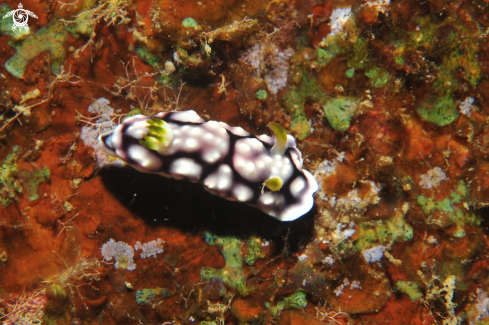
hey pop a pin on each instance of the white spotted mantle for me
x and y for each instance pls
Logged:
(228, 161)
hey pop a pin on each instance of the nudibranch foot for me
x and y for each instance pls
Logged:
(228, 161)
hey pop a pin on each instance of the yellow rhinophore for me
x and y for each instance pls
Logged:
(281, 136)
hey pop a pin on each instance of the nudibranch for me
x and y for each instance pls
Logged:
(262, 171)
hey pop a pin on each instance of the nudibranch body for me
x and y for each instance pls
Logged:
(264, 172)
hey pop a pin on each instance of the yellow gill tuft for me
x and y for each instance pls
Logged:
(159, 137)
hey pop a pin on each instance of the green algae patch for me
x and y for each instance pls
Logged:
(358, 56)
(150, 58)
(301, 126)
(449, 210)
(297, 300)
(378, 77)
(326, 55)
(14, 181)
(189, 22)
(304, 89)
(10, 185)
(458, 270)
(339, 112)
(355, 49)
(261, 94)
(383, 232)
(253, 250)
(462, 56)
(438, 110)
(232, 273)
(156, 62)
(32, 179)
(147, 296)
(7, 23)
(456, 53)
(51, 37)
(409, 288)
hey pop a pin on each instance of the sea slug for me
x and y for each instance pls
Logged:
(262, 171)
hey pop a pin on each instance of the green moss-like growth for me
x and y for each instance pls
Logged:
(378, 77)
(32, 179)
(10, 186)
(13, 181)
(457, 269)
(454, 47)
(155, 61)
(189, 22)
(383, 232)
(301, 126)
(232, 274)
(329, 53)
(261, 94)
(354, 47)
(339, 112)
(306, 88)
(409, 288)
(358, 55)
(450, 211)
(152, 59)
(297, 300)
(253, 250)
(439, 110)
(462, 52)
(147, 296)
(51, 37)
